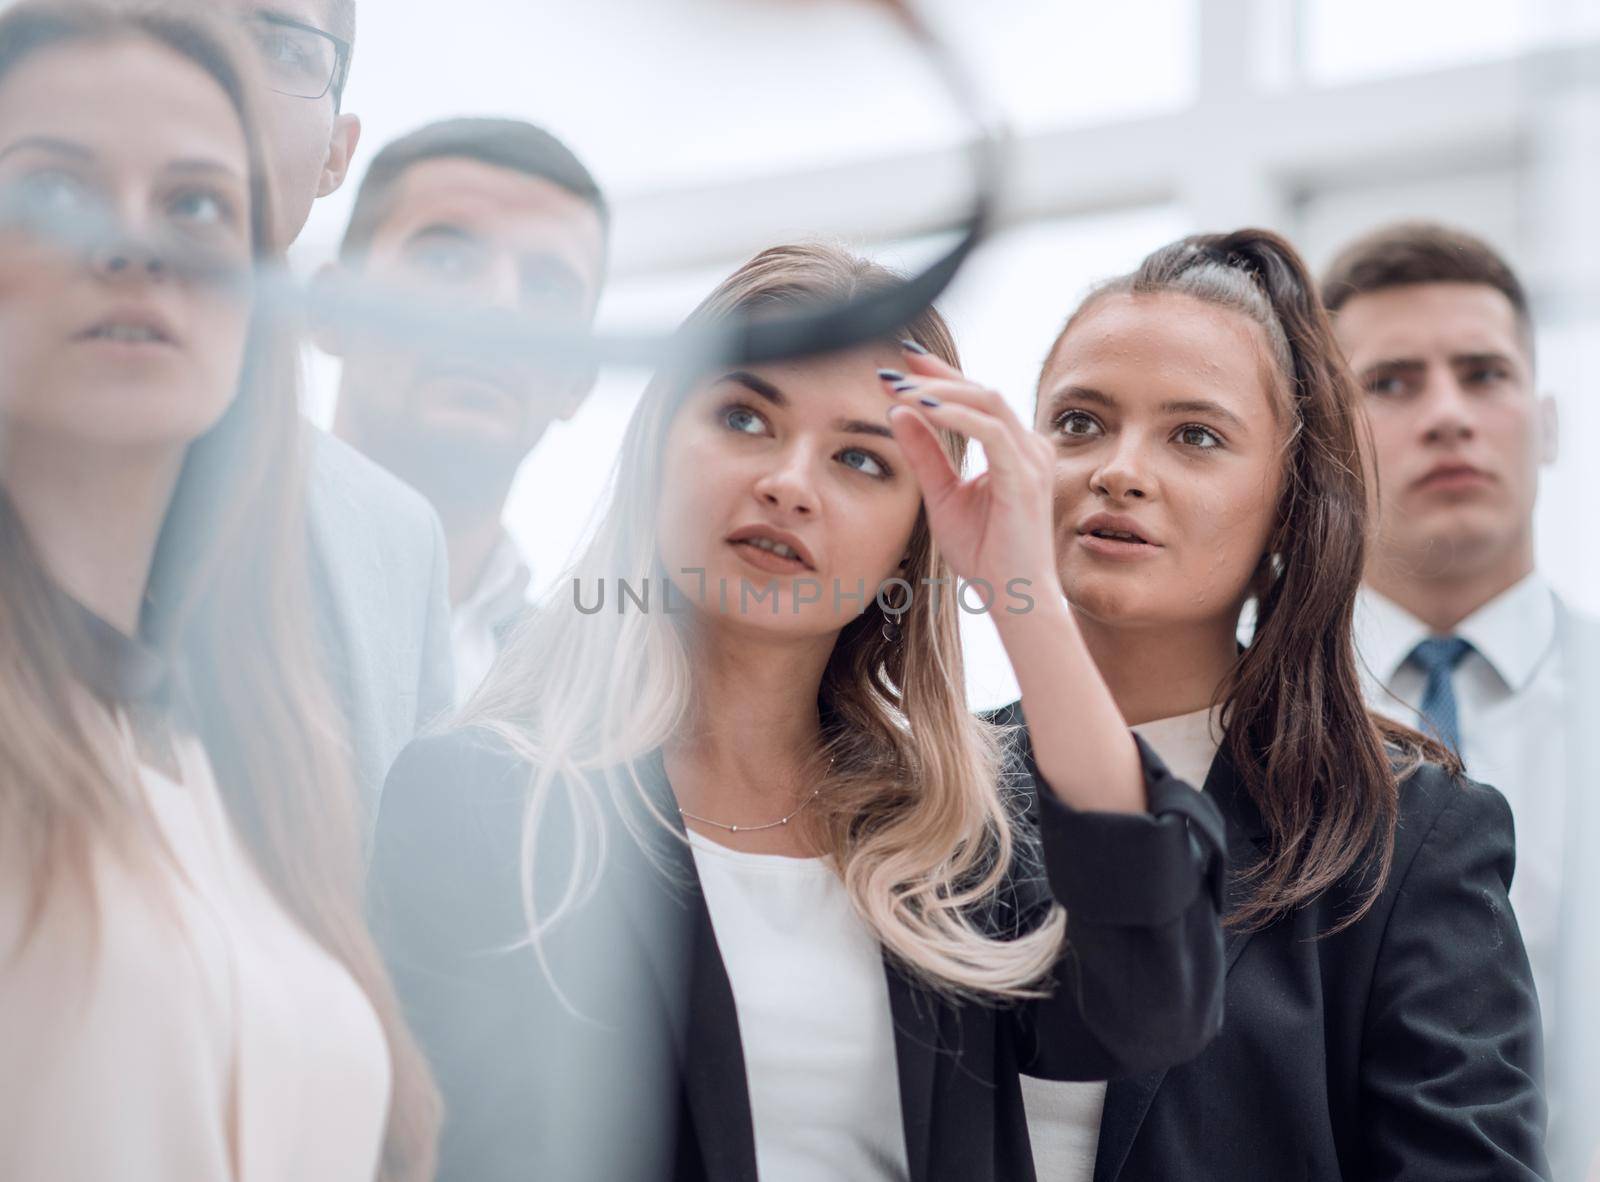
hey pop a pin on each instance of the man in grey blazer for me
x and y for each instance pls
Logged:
(1460, 633)
(378, 554)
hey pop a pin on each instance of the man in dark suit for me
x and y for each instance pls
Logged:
(487, 213)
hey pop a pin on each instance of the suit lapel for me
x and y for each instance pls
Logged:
(916, 1046)
(714, 1075)
(1247, 844)
(659, 894)
(1128, 1100)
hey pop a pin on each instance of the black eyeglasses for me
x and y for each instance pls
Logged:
(300, 60)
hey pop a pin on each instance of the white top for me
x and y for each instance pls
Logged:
(813, 1009)
(1187, 744)
(500, 593)
(1510, 698)
(1064, 1117)
(198, 1033)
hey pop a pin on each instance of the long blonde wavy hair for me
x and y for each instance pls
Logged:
(231, 607)
(910, 813)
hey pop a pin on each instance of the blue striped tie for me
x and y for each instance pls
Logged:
(1438, 657)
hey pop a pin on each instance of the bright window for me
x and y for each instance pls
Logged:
(1350, 40)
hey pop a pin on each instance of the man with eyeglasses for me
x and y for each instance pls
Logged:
(304, 47)
(378, 550)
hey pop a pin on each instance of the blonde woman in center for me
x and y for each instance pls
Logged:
(717, 878)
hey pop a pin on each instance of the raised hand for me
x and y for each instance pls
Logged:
(994, 527)
(997, 527)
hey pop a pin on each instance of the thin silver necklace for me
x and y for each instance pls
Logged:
(779, 823)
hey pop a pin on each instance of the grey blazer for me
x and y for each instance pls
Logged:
(1574, 1079)
(379, 576)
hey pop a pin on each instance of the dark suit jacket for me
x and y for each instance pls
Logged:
(624, 1061)
(1406, 1046)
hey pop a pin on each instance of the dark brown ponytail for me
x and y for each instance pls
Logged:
(1312, 757)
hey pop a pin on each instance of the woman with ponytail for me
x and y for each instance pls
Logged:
(1380, 1017)
(717, 878)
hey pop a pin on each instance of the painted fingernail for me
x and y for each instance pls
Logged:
(930, 402)
(903, 387)
(911, 346)
(891, 375)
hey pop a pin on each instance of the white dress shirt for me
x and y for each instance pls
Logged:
(497, 599)
(1064, 1115)
(1510, 692)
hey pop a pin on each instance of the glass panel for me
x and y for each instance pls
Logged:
(572, 465)
(668, 93)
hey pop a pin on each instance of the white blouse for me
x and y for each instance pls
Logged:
(1064, 1117)
(191, 1030)
(813, 1007)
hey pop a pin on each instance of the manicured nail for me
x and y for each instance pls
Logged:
(903, 387)
(911, 346)
(891, 375)
(934, 403)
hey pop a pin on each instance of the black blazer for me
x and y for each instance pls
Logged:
(634, 1070)
(1406, 1046)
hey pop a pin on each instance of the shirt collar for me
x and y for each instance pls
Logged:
(1385, 634)
(1512, 632)
(502, 587)
(116, 667)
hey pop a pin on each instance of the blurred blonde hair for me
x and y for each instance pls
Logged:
(910, 811)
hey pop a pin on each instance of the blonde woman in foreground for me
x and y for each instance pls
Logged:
(718, 878)
(187, 990)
